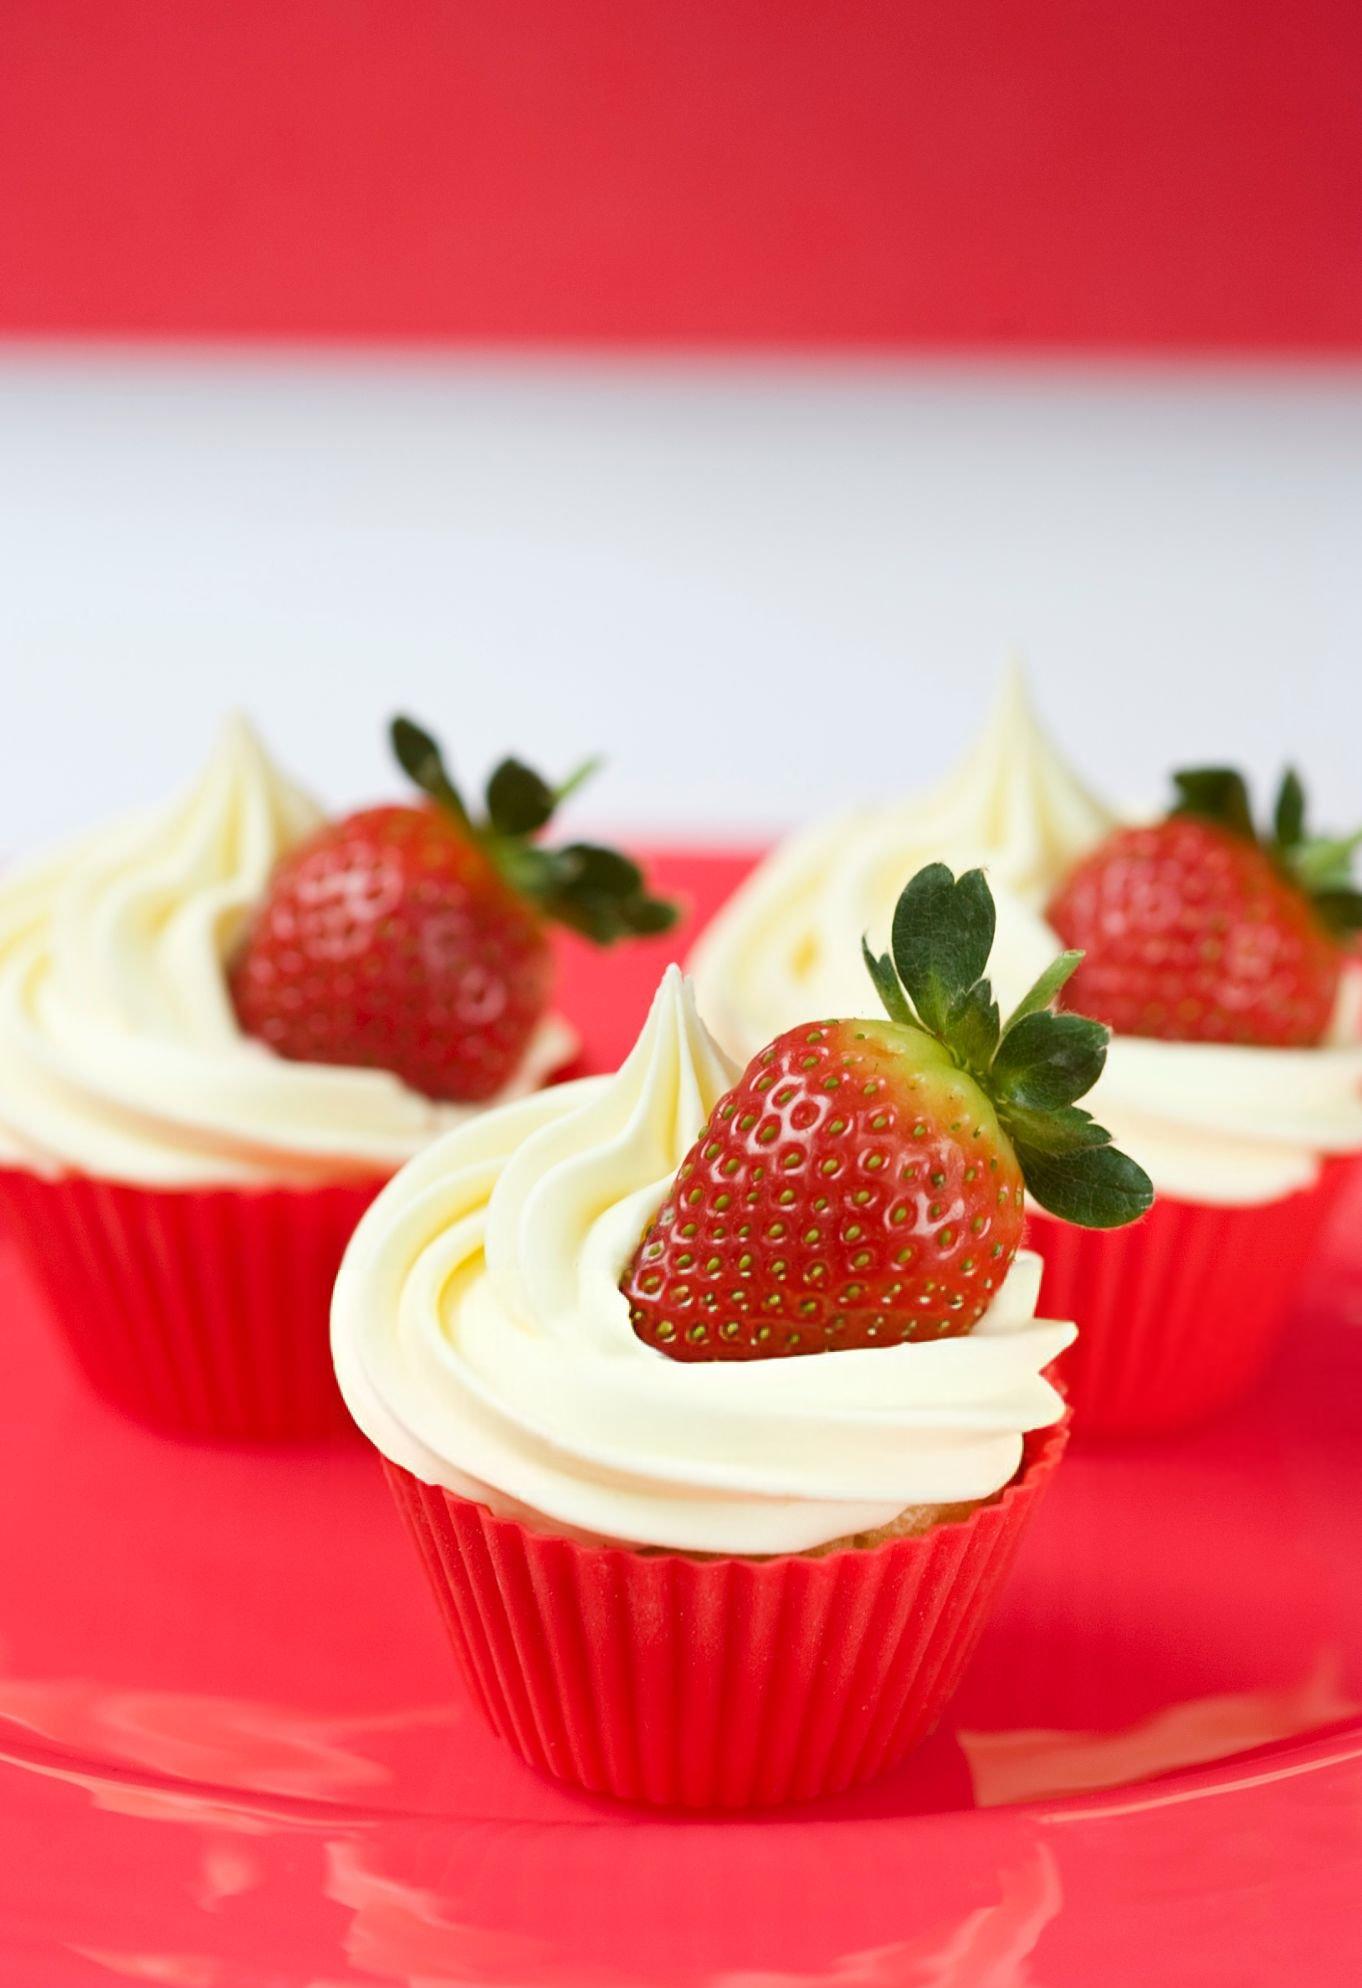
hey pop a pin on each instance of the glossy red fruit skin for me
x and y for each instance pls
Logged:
(1192, 934)
(388, 940)
(853, 1189)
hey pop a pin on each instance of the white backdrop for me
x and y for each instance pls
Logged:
(759, 588)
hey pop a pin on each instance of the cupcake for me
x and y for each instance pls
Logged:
(716, 1401)
(196, 1012)
(1218, 958)
(1243, 1138)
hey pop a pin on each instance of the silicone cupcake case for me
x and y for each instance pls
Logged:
(714, 1684)
(198, 1310)
(1180, 1314)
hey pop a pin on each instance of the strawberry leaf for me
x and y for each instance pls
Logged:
(1048, 1060)
(602, 871)
(599, 893)
(646, 917)
(881, 970)
(942, 935)
(972, 1028)
(1288, 821)
(419, 757)
(1094, 1186)
(604, 920)
(519, 802)
(1341, 911)
(1216, 794)
(1324, 863)
(1044, 989)
(1068, 1129)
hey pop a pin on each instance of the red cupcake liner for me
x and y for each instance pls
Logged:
(1179, 1315)
(714, 1684)
(203, 1311)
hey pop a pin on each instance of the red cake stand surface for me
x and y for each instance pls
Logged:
(233, 1752)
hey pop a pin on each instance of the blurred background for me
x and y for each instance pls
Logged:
(727, 385)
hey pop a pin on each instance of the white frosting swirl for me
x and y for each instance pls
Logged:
(481, 1341)
(1228, 1125)
(1210, 1122)
(787, 945)
(120, 1054)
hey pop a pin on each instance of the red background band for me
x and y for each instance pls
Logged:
(1157, 174)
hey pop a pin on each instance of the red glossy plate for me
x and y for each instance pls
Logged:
(233, 1753)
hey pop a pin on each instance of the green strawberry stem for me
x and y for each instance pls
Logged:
(594, 890)
(1320, 866)
(1034, 1067)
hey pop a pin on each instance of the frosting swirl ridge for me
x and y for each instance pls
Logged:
(1210, 1122)
(482, 1342)
(120, 1054)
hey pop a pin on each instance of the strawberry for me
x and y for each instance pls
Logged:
(413, 939)
(863, 1182)
(1194, 929)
